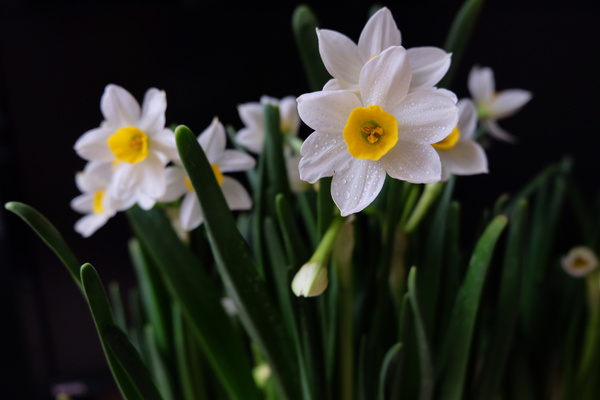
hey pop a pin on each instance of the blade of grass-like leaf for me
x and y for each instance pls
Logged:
(392, 354)
(304, 25)
(431, 270)
(189, 369)
(458, 37)
(199, 299)
(294, 243)
(508, 308)
(160, 370)
(455, 354)
(154, 296)
(273, 152)
(127, 367)
(426, 362)
(255, 305)
(49, 234)
(117, 304)
(283, 285)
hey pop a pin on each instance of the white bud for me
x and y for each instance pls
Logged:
(580, 261)
(310, 280)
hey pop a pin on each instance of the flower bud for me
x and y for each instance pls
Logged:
(580, 261)
(310, 280)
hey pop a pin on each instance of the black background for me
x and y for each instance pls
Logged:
(56, 58)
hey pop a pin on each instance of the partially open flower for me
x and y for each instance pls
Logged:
(492, 105)
(580, 261)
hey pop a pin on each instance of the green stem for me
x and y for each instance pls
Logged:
(431, 192)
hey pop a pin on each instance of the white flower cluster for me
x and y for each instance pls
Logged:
(132, 159)
(382, 114)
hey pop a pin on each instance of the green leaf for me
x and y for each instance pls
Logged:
(508, 308)
(127, 367)
(254, 303)
(49, 234)
(455, 354)
(426, 363)
(200, 301)
(304, 25)
(458, 36)
(273, 153)
(392, 354)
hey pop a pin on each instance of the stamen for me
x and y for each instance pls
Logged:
(373, 132)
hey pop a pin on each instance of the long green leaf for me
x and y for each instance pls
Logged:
(458, 37)
(49, 234)
(426, 362)
(455, 355)
(508, 307)
(255, 305)
(390, 356)
(130, 373)
(304, 25)
(199, 299)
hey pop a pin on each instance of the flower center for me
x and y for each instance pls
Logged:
(449, 141)
(580, 262)
(97, 206)
(370, 132)
(216, 171)
(129, 145)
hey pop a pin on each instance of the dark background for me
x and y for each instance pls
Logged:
(56, 58)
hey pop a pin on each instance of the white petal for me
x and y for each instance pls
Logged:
(426, 117)
(251, 114)
(190, 215)
(467, 119)
(429, 65)
(95, 176)
(339, 84)
(322, 155)
(356, 187)
(327, 111)
(176, 187)
(379, 33)
(90, 223)
(236, 196)
(385, 79)
(508, 102)
(340, 55)
(119, 107)
(163, 141)
(465, 158)
(251, 139)
(415, 163)
(495, 131)
(234, 160)
(83, 203)
(144, 201)
(93, 145)
(213, 140)
(481, 83)
(153, 180)
(153, 111)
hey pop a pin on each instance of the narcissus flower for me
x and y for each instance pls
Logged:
(344, 59)
(213, 141)
(252, 136)
(493, 106)
(93, 200)
(137, 144)
(459, 153)
(358, 139)
(580, 261)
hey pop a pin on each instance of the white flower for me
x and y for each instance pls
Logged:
(358, 139)
(459, 153)
(580, 261)
(213, 141)
(344, 59)
(252, 114)
(93, 201)
(137, 144)
(492, 105)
